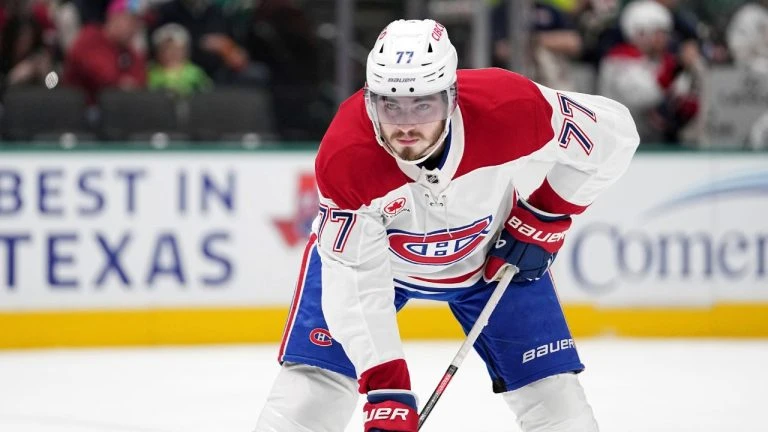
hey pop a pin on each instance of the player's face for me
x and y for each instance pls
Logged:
(172, 53)
(414, 141)
(660, 42)
(411, 126)
(652, 43)
(123, 27)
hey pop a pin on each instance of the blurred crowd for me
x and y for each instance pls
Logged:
(652, 55)
(181, 47)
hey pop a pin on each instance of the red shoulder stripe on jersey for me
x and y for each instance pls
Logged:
(390, 375)
(505, 118)
(545, 198)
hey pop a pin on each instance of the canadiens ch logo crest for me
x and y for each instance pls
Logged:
(439, 247)
(321, 337)
(395, 207)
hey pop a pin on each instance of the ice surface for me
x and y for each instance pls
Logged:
(634, 385)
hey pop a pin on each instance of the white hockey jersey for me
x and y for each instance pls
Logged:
(383, 223)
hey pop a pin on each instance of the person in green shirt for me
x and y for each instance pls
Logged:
(172, 69)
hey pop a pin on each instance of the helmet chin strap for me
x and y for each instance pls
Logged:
(394, 154)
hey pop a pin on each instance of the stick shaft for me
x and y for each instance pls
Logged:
(474, 333)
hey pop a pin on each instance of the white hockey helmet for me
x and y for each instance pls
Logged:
(411, 61)
(643, 17)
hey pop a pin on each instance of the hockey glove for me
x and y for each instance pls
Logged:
(530, 241)
(391, 411)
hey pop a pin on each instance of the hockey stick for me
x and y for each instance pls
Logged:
(474, 333)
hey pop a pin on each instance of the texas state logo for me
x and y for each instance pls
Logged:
(294, 229)
(441, 247)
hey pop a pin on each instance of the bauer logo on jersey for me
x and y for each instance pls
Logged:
(395, 207)
(321, 337)
(439, 247)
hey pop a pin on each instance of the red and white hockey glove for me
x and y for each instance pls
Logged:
(529, 241)
(391, 411)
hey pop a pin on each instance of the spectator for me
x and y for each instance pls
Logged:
(685, 37)
(172, 70)
(102, 55)
(24, 57)
(645, 75)
(211, 47)
(747, 37)
(554, 42)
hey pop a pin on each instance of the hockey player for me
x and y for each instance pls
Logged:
(417, 200)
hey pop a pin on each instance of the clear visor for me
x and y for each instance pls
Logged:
(410, 110)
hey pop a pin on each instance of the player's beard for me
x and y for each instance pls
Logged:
(410, 153)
